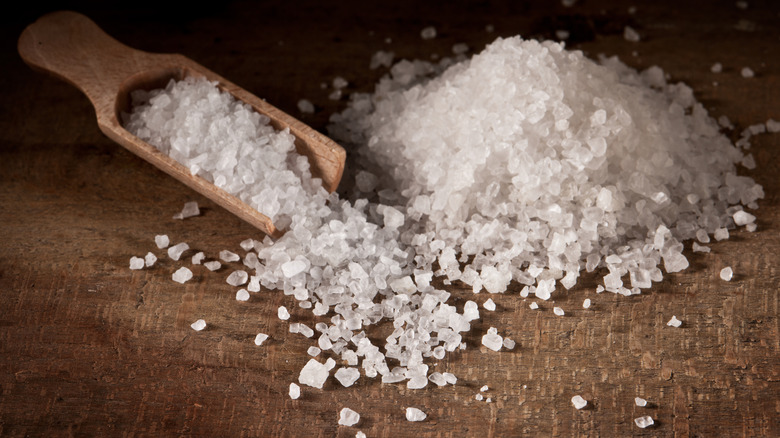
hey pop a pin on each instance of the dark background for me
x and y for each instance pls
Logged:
(90, 348)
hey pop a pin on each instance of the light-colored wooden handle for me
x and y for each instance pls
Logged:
(73, 48)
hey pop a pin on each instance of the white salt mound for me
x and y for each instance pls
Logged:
(579, 402)
(295, 391)
(136, 263)
(640, 402)
(674, 322)
(348, 417)
(644, 421)
(414, 414)
(182, 275)
(726, 273)
(190, 209)
(198, 325)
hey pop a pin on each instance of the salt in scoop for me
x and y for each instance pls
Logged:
(72, 47)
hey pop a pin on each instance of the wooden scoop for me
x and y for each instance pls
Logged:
(72, 47)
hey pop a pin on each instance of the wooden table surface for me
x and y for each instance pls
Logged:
(91, 348)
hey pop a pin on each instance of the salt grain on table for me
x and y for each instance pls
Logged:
(198, 325)
(136, 263)
(644, 421)
(182, 275)
(414, 414)
(726, 273)
(260, 338)
(579, 402)
(242, 295)
(674, 322)
(295, 391)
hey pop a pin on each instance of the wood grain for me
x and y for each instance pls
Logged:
(90, 348)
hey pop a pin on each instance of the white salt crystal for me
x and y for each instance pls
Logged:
(772, 126)
(198, 258)
(150, 259)
(335, 95)
(428, 33)
(305, 106)
(700, 248)
(489, 305)
(438, 379)
(479, 397)
(182, 275)
(347, 376)
(747, 72)
(586, 303)
(630, 34)
(212, 265)
(644, 422)
(260, 338)
(743, 218)
(161, 240)
(177, 250)
(545, 288)
(283, 313)
(488, 400)
(484, 388)
(360, 434)
(721, 234)
(348, 417)
(640, 402)
(237, 278)
(228, 256)
(339, 82)
(414, 414)
(381, 58)
(295, 391)
(450, 378)
(242, 295)
(492, 340)
(558, 311)
(533, 306)
(247, 244)
(136, 263)
(716, 68)
(460, 48)
(470, 311)
(198, 325)
(509, 344)
(314, 374)
(579, 402)
(293, 268)
(190, 209)
(674, 322)
(313, 351)
(726, 273)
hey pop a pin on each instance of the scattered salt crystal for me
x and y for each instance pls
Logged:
(428, 33)
(747, 72)
(674, 322)
(700, 248)
(721, 234)
(644, 422)
(314, 374)
(450, 378)
(414, 414)
(242, 295)
(347, 376)
(313, 351)
(381, 58)
(260, 338)
(283, 313)
(479, 397)
(533, 306)
(348, 417)
(743, 218)
(305, 106)
(293, 268)
(161, 240)
(488, 400)
(630, 34)
(492, 340)
(295, 391)
(484, 388)
(773, 126)
(212, 265)
(579, 402)
(360, 434)
(726, 273)
(489, 305)
(237, 278)
(136, 263)
(228, 256)
(460, 48)
(438, 379)
(190, 209)
(470, 311)
(198, 325)
(509, 344)
(247, 244)
(586, 303)
(599, 289)
(150, 259)
(716, 68)
(751, 227)
(640, 402)
(558, 311)
(198, 258)
(177, 250)
(182, 275)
